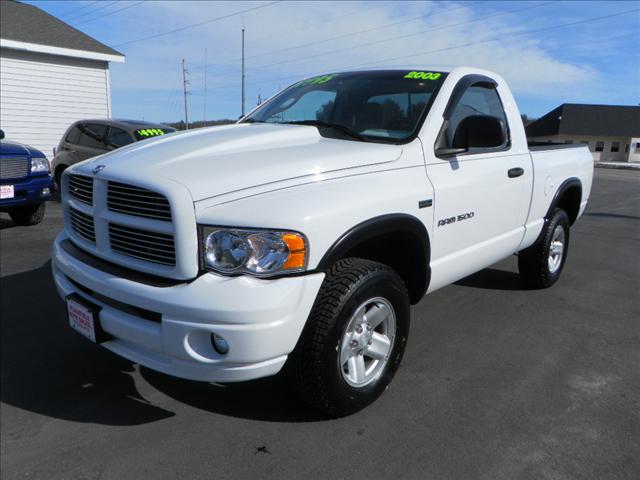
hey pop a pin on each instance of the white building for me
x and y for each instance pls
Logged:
(612, 132)
(50, 76)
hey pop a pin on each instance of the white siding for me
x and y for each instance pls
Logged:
(41, 95)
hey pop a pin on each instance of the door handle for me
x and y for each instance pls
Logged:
(515, 172)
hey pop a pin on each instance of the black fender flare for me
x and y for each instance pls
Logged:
(564, 186)
(376, 227)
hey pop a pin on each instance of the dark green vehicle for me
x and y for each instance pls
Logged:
(88, 138)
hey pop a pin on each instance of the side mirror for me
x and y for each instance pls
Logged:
(1, 134)
(480, 131)
(449, 152)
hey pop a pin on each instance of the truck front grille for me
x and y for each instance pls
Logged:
(82, 225)
(81, 188)
(14, 167)
(142, 244)
(137, 201)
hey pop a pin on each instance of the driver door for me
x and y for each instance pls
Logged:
(480, 206)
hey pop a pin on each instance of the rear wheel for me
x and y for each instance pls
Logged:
(541, 264)
(354, 339)
(28, 214)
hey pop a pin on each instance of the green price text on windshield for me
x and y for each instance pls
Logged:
(150, 132)
(315, 80)
(423, 75)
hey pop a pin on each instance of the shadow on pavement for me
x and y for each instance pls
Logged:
(612, 215)
(492, 279)
(267, 399)
(49, 369)
(6, 223)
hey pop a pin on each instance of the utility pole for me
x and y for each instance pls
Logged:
(242, 110)
(185, 90)
(204, 115)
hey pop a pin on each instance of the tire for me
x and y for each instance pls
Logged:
(28, 214)
(57, 176)
(321, 375)
(539, 266)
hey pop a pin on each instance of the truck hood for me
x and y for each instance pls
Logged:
(10, 149)
(215, 161)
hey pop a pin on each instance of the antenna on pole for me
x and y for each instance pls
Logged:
(242, 110)
(204, 114)
(185, 90)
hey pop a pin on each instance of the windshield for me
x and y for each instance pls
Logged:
(386, 106)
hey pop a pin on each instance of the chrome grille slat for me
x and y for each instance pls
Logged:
(137, 201)
(81, 188)
(169, 246)
(142, 244)
(82, 225)
(143, 233)
(166, 248)
(14, 167)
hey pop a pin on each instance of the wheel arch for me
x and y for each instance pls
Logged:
(568, 197)
(399, 241)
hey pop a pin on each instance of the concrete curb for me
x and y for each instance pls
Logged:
(618, 165)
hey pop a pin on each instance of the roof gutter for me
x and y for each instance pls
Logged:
(65, 52)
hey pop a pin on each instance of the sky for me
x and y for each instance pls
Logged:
(549, 52)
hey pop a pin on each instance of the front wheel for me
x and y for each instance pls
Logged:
(540, 265)
(28, 214)
(354, 339)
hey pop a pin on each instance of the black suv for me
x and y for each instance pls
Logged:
(88, 138)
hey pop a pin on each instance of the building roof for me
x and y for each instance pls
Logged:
(581, 119)
(26, 27)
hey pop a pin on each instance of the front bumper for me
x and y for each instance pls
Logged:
(260, 319)
(28, 191)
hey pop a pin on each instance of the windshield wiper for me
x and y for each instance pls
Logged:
(334, 126)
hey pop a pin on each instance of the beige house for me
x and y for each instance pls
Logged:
(612, 132)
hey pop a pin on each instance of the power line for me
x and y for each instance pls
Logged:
(430, 30)
(515, 34)
(506, 35)
(193, 25)
(72, 13)
(351, 34)
(102, 7)
(108, 14)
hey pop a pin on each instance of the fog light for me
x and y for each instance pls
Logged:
(45, 191)
(220, 344)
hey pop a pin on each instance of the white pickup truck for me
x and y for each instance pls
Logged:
(297, 239)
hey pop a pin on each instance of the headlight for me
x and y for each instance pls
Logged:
(256, 252)
(39, 165)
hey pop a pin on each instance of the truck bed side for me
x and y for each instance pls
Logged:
(555, 168)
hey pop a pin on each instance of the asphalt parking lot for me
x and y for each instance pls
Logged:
(497, 382)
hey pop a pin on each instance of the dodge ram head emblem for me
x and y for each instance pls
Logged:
(98, 169)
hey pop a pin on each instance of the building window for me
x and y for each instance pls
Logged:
(584, 142)
(637, 149)
(626, 150)
(568, 141)
(615, 147)
(599, 146)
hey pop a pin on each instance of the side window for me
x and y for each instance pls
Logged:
(478, 99)
(92, 135)
(117, 138)
(73, 136)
